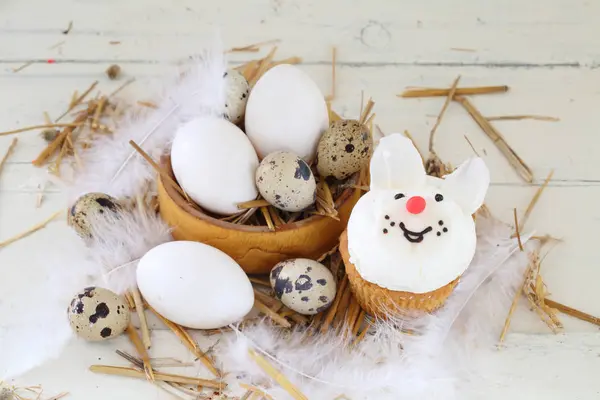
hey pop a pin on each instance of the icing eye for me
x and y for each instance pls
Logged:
(439, 197)
(398, 196)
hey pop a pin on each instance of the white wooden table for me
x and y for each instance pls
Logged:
(546, 51)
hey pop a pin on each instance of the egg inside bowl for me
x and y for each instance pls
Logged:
(255, 248)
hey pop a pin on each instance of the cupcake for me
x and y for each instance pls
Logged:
(411, 237)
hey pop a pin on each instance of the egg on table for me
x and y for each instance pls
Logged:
(237, 90)
(286, 181)
(345, 148)
(286, 111)
(305, 286)
(214, 162)
(89, 207)
(97, 314)
(195, 285)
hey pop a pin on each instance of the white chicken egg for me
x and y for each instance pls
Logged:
(214, 162)
(194, 285)
(286, 111)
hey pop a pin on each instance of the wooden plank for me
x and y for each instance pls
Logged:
(566, 146)
(382, 32)
(565, 367)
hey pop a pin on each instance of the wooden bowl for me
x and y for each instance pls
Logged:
(255, 248)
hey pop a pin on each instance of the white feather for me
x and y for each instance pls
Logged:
(112, 166)
(389, 364)
(120, 240)
(34, 325)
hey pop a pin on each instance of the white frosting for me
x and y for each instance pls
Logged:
(415, 252)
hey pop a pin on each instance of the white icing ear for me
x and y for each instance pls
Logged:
(468, 184)
(396, 164)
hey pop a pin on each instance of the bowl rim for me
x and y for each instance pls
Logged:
(197, 213)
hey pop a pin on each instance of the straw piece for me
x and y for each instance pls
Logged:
(30, 231)
(329, 253)
(139, 306)
(249, 69)
(342, 307)
(286, 312)
(517, 228)
(8, 153)
(517, 163)
(252, 204)
(120, 88)
(442, 112)
(333, 309)
(188, 342)
(260, 281)
(535, 199)
(572, 312)
(520, 117)
(60, 138)
(148, 104)
(299, 318)
(158, 169)
(333, 116)
(542, 314)
(410, 93)
(277, 376)
(412, 139)
(277, 221)
(74, 98)
(362, 334)
(253, 389)
(369, 122)
(78, 100)
(34, 127)
(159, 376)
(265, 213)
(365, 113)
(265, 298)
(514, 303)
(472, 147)
(139, 346)
(352, 314)
(279, 320)
(289, 60)
(256, 396)
(262, 67)
(22, 67)
(98, 113)
(359, 322)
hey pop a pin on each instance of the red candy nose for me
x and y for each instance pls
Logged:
(415, 205)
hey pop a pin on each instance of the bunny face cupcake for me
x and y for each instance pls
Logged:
(411, 236)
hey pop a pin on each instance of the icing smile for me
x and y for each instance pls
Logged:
(414, 237)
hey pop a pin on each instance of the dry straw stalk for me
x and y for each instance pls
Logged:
(159, 376)
(459, 91)
(188, 342)
(517, 163)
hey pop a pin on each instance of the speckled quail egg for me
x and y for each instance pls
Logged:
(345, 148)
(237, 90)
(286, 181)
(98, 314)
(304, 285)
(88, 207)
